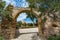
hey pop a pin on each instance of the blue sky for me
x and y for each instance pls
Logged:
(23, 16)
(20, 3)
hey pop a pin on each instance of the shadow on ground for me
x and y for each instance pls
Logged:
(17, 33)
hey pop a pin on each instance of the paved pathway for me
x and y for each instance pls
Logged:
(32, 36)
(28, 36)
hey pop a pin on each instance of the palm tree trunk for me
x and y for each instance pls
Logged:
(33, 24)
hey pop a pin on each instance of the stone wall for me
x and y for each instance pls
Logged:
(52, 27)
(8, 29)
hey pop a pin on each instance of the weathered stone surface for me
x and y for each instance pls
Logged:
(52, 27)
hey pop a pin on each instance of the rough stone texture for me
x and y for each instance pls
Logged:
(7, 28)
(17, 11)
(52, 27)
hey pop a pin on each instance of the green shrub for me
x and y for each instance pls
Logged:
(1, 38)
(54, 37)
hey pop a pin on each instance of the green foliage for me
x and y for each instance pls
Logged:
(2, 5)
(19, 24)
(42, 9)
(8, 10)
(54, 37)
(46, 6)
(31, 1)
(30, 15)
(7, 13)
(1, 38)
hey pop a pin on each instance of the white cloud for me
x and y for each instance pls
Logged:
(6, 0)
(21, 17)
(9, 2)
(21, 3)
(25, 4)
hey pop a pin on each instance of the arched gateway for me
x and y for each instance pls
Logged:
(15, 14)
(17, 11)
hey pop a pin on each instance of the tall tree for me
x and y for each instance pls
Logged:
(31, 16)
(2, 5)
(7, 13)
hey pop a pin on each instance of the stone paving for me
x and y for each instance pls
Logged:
(28, 36)
(32, 36)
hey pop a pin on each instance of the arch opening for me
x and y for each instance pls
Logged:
(24, 24)
(27, 19)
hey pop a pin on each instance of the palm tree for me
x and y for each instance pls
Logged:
(31, 16)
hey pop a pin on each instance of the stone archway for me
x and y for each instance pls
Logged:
(15, 14)
(12, 25)
(17, 11)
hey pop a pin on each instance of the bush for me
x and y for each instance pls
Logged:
(54, 37)
(1, 38)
